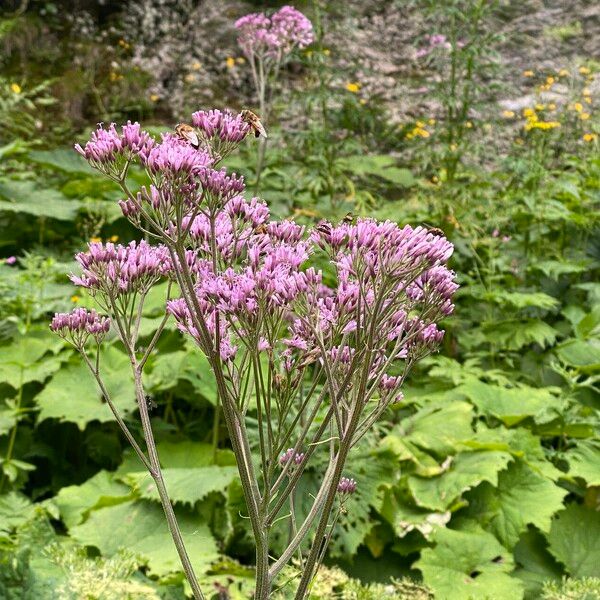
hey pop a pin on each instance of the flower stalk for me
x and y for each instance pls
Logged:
(314, 365)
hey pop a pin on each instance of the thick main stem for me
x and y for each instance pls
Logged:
(156, 473)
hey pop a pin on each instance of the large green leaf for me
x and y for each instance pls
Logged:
(141, 528)
(467, 470)
(72, 394)
(62, 159)
(580, 353)
(511, 405)
(75, 501)
(468, 566)
(574, 539)
(523, 496)
(184, 365)
(187, 486)
(190, 469)
(515, 334)
(26, 197)
(535, 565)
(584, 461)
(21, 360)
(401, 513)
(438, 426)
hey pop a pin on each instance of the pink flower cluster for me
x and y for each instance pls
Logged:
(436, 40)
(78, 325)
(174, 156)
(221, 131)
(115, 270)
(290, 455)
(347, 486)
(108, 150)
(276, 36)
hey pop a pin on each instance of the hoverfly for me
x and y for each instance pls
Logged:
(254, 121)
(188, 134)
(261, 229)
(349, 218)
(324, 228)
(436, 231)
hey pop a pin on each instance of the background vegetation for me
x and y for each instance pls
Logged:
(485, 481)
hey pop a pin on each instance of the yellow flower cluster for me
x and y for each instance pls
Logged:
(419, 130)
(590, 137)
(533, 120)
(16, 88)
(353, 87)
(230, 62)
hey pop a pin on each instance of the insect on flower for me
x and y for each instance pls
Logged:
(349, 218)
(254, 121)
(187, 133)
(436, 231)
(324, 228)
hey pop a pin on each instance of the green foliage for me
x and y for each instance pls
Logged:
(484, 481)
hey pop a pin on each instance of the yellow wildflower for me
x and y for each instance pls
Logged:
(431, 121)
(240, 60)
(114, 238)
(353, 87)
(362, 101)
(578, 107)
(421, 132)
(326, 51)
(95, 240)
(584, 116)
(74, 298)
(586, 91)
(552, 106)
(584, 70)
(230, 62)
(16, 88)
(527, 73)
(528, 112)
(453, 147)
(420, 124)
(196, 66)
(590, 137)
(550, 80)
(509, 114)
(435, 179)
(563, 73)
(587, 99)
(190, 77)
(543, 125)
(540, 106)
(468, 125)
(154, 97)
(124, 44)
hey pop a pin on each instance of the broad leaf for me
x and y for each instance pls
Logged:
(516, 502)
(72, 394)
(62, 159)
(25, 197)
(438, 426)
(511, 405)
(468, 566)
(535, 565)
(141, 528)
(75, 501)
(584, 461)
(467, 470)
(187, 486)
(574, 539)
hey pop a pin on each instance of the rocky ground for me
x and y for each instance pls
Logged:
(185, 45)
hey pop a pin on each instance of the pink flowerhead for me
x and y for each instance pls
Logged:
(78, 325)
